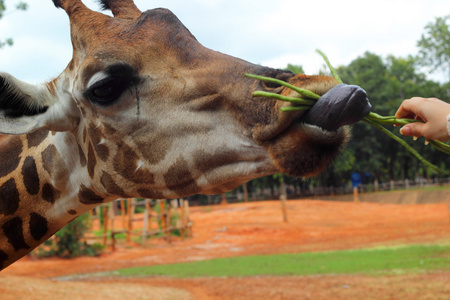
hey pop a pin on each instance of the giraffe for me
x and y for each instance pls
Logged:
(142, 110)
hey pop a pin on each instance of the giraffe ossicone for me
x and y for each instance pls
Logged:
(142, 110)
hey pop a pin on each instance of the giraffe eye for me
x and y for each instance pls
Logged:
(108, 90)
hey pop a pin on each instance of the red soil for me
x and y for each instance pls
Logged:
(249, 229)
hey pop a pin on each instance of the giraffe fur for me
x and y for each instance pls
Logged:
(142, 110)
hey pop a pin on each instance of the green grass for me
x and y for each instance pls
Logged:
(408, 259)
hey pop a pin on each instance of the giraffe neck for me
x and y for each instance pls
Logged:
(40, 175)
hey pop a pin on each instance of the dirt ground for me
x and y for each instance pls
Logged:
(249, 229)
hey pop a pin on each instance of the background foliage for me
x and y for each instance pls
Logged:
(20, 6)
(388, 81)
(69, 241)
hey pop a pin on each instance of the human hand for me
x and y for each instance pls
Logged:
(433, 112)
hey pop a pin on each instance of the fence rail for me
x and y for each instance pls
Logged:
(293, 192)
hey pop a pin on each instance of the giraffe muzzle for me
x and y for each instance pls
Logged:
(315, 138)
(342, 105)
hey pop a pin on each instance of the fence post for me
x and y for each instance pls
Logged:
(150, 214)
(283, 198)
(162, 215)
(122, 211)
(168, 225)
(144, 228)
(245, 192)
(182, 220)
(113, 242)
(112, 214)
(187, 217)
(130, 218)
(105, 224)
(224, 199)
(355, 194)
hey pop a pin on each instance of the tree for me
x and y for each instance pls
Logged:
(296, 69)
(388, 82)
(368, 146)
(69, 241)
(435, 45)
(20, 6)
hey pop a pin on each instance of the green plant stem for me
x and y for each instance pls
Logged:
(333, 70)
(373, 119)
(299, 101)
(294, 108)
(441, 147)
(389, 120)
(404, 144)
(302, 92)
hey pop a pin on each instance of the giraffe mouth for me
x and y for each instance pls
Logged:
(306, 142)
(340, 106)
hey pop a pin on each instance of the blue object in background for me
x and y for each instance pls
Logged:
(356, 179)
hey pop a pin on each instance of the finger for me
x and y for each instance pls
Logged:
(413, 129)
(403, 111)
(409, 108)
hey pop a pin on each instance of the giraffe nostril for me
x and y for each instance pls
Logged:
(271, 85)
(281, 75)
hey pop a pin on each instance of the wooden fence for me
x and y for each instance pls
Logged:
(156, 218)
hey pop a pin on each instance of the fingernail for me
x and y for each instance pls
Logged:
(405, 131)
(427, 142)
(415, 138)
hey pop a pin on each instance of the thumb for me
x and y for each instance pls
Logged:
(413, 129)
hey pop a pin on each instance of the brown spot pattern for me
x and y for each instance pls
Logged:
(111, 187)
(54, 164)
(179, 179)
(14, 232)
(3, 258)
(83, 161)
(9, 198)
(109, 130)
(72, 212)
(84, 135)
(92, 161)
(10, 158)
(88, 196)
(49, 193)
(36, 137)
(155, 148)
(145, 193)
(30, 176)
(205, 161)
(101, 150)
(38, 226)
(126, 163)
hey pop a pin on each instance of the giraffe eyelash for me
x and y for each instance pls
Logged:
(15, 104)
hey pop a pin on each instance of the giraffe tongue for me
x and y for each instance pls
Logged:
(342, 105)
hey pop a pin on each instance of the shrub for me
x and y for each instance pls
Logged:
(69, 241)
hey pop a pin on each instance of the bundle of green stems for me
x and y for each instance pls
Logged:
(307, 99)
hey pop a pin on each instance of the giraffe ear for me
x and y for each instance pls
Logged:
(25, 107)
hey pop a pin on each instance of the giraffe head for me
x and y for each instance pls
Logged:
(155, 114)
